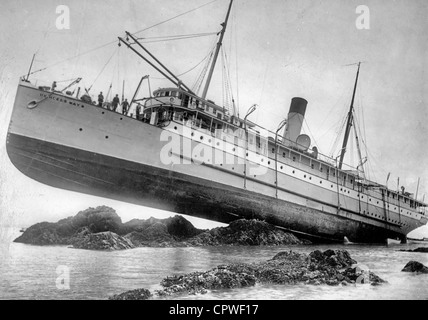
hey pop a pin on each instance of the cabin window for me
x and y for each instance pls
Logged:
(219, 115)
(166, 93)
(251, 138)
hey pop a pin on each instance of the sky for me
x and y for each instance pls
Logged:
(276, 50)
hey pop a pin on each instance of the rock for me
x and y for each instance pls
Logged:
(360, 276)
(335, 258)
(43, 233)
(171, 232)
(415, 266)
(154, 235)
(245, 232)
(284, 268)
(95, 220)
(102, 241)
(420, 249)
(138, 294)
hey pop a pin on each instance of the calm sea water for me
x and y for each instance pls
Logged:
(30, 272)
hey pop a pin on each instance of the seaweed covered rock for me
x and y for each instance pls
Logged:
(287, 268)
(95, 220)
(420, 249)
(138, 294)
(102, 241)
(335, 258)
(415, 266)
(245, 232)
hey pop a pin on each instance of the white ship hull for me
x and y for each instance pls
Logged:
(69, 144)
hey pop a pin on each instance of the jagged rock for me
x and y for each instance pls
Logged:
(244, 232)
(284, 268)
(43, 233)
(138, 294)
(420, 249)
(415, 266)
(335, 258)
(102, 241)
(154, 235)
(171, 232)
(361, 276)
(62, 232)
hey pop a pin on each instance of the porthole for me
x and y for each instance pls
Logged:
(304, 176)
(332, 186)
(106, 137)
(268, 162)
(294, 172)
(121, 118)
(320, 182)
(80, 129)
(175, 128)
(103, 112)
(218, 143)
(281, 167)
(310, 178)
(202, 138)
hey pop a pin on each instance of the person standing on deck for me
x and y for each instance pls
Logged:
(137, 112)
(125, 106)
(115, 102)
(100, 99)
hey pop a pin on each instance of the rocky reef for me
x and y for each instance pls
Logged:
(415, 266)
(420, 249)
(102, 229)
(331, 267)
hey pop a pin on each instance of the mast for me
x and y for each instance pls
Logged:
(31, 66)
(350, 120)
(223, 30)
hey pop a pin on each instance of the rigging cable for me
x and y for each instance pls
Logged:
(103, 68)
(115, 41)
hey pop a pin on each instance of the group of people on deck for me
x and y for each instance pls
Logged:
(115, 103)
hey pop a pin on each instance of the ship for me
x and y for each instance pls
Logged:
(180, 152)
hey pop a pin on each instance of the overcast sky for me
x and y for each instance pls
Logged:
(277, 50)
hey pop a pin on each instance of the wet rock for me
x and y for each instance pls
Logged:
(415, 266)
(420, 249)
(287, 268)
(245, 232)
(101, 241)
(138, 294)
(95, 220)
(171, 232)
(361, 276)
(334, 258)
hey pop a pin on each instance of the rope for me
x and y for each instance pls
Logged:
(115, 41)
(177, 37)
(99, 74)
(177, 16)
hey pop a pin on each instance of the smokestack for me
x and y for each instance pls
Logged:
(294, 121)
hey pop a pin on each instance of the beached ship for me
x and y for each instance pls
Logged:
(181, 152)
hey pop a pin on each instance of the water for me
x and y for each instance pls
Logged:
(30, 272)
